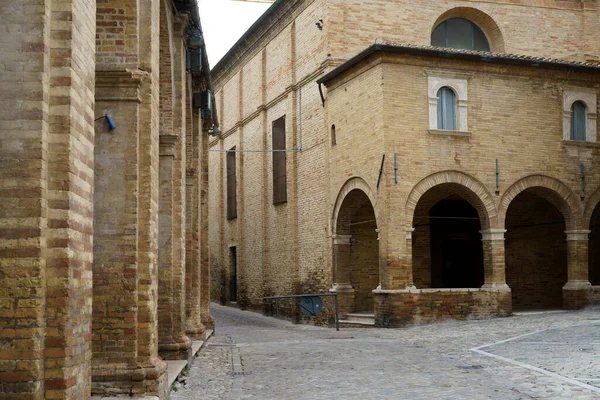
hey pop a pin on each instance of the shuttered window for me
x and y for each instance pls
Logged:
(578, 118)
(279, 160)
(231, 185)
(446, 109)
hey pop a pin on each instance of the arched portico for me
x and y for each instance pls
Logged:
(591, 217)
(355, 247)
(451, 238)
(542, 269)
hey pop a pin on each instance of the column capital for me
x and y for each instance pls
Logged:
(167, 144)
(342, 239)
(576, 235)
(492, 234)
(341, 288)
(409, 232)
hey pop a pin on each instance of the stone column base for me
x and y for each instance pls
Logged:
(196, 332)
(108, 381)
(577, 294)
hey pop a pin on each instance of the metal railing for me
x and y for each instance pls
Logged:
(301, 296)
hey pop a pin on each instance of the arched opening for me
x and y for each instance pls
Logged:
(446, 244)
(594, 247)
(578, 121)
(536, 249)
(357, 255)
(472, 21)
(459, 33)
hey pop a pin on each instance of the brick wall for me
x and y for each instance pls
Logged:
(514, 115)
(46, 213)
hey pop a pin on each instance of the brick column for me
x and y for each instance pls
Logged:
(342, 286)
(409, 266)
(194, 327)
(205, 317)
(179, 185)
(577, 290)
(494, 264)
(166, 340)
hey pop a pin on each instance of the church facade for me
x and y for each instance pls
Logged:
(423, 160)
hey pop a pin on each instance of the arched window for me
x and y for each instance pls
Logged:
(446, 109)
(578, 119)
(459, 33)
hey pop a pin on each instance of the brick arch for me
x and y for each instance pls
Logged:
(354, 183)
(486, 23)
(473, 191)
(590, 206)
(553, 190)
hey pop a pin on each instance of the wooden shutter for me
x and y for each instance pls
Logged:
(279, 162)
(231, 185)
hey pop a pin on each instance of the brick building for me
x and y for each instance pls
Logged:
(104, 118)
(440, 158)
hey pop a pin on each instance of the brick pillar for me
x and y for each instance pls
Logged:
(578, 288)
(166, 341)
(494, 264)
(342, 286)
(46, 198)
(194, 327)
(206, 319)
(124, 358)
(409, 260)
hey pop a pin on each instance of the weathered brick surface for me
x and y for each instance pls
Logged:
(515, 115)
(79, 202)
(46, 183)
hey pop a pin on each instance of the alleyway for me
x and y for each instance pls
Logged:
(555, 355)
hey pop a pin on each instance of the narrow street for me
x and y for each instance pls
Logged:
(552, 355)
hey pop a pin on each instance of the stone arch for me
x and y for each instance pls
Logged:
(486, 23)
(354, 183)
(590, 207)
(553, 190)
(473, 191)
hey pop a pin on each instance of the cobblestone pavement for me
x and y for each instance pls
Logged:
(552, 355)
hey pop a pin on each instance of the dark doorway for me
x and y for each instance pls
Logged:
(233, 280)
(536, 250)
(594, 247)
(456, 247)
(357, 219)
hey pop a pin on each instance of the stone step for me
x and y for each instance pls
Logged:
(358, 320)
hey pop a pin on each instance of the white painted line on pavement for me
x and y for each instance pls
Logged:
(541, 371)
(531, 367)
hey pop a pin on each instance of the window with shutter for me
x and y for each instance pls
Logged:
(279, 161)
(231, 185)
(446, 109)
(578, 118)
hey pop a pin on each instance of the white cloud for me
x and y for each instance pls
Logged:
(224, 22)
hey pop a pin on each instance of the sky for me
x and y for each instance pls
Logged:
(224, 22)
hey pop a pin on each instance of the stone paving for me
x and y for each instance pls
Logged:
(552, 355)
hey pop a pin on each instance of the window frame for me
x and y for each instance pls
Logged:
(279, 161)
(458, 83)
(589, 99)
